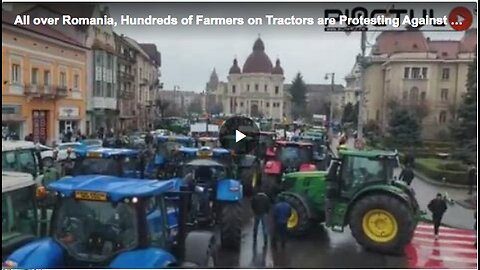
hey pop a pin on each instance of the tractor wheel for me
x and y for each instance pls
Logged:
(201, 249)
(382, 223)
(299, 222)
(250, 179)
(231, 226)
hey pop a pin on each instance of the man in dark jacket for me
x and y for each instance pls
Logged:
(472, 177)
(281, 214)
(260, 207)
(437, 206)
(407, 175)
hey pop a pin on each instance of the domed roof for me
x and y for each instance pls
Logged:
(258, 61)
(277, 69)
(235, 69)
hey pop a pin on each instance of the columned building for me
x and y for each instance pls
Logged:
(256, 90)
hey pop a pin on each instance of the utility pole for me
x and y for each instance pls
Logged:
(361, 102)
(332, 84)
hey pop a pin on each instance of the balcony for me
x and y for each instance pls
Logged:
(126, 76)
(143, 82)
(108, 103)
(32, 90)
(61, 91)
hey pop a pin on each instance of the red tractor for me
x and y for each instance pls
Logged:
(266, 144)
(288, 157)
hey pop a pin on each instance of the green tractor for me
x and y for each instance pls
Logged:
(359, 191)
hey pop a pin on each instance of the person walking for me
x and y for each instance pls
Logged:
(407, 175)
(261, 207)
(472, 177)
(438, 207)
(281, 214)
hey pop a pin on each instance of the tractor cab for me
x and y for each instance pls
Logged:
(21, 221)
(321, 153)
(107, 221)
(22, 156)
(108, 161)
(266, 144)
(212, 142)
(168, 146)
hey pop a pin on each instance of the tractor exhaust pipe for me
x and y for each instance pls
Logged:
(185, 197)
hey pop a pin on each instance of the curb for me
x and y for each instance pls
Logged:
(436, 183)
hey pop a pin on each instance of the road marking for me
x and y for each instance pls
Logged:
(452, 259)
(425, 227)
(448, 248)
(446, 241)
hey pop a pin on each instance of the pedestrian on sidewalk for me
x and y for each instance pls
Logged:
(407, 175)
(281, 214)
(260, 207)
(438, 207)
(472, 177)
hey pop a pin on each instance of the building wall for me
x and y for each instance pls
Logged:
(33, 51)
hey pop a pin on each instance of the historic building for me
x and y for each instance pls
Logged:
(407, 68)
(44, 74)
(254, 90)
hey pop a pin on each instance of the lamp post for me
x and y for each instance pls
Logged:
(361, 102)
(330, 117)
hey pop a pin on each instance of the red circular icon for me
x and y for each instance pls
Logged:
(460, 18)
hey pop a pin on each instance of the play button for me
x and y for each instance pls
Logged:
(239, 134)
(460, 18)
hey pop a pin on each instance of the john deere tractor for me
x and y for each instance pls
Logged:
(358, 191)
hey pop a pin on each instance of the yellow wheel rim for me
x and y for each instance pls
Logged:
(379, 225)
(292, 220)
(254, 180)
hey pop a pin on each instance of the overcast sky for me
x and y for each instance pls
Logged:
(190, 53)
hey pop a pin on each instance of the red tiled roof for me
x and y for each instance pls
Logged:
(445, 49)
(469, 41)
(400, 41)
(9, 18)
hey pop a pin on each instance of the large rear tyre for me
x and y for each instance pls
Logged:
(231, 226)
(382, 223)
(299, 222)
(250, 179)
(201, 249)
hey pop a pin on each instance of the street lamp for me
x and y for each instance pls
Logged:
(330, 117)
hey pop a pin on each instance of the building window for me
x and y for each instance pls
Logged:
(423, 96)
(98, 89)
(406, 73)
(277, 89)
(76, 81)
(241, 104)
(267, 104)
(46, 77)
(443, 117)
(109, 61)
(99, 59)
(34, 76)
(424, 73)
(377, 115)
(256, 87)
(445, 74)
(63, 79)
(266, 88)
(415, 73)
(444, 94)
(109, 90)
(233, 89)
(414, 94)
(16, 73)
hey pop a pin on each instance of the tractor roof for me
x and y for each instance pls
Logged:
(307, 137)
(116, 188)
(14, 145)
(106, 152)
(16, 180)
(180, 139)
(204, 162)
(306, 173)
(208, 139)
(367, 153)
(290, 143)
(215, 151)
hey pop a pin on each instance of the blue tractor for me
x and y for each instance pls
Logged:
(107, 221)
(163, 164)
(107, 161)
(216, 196)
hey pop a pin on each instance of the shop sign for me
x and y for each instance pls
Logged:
(68, 112)
(11, 109)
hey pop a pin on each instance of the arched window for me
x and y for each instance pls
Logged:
(414, 94)
(442, 118)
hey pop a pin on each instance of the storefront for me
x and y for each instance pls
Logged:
(13, 123)
(68, 119)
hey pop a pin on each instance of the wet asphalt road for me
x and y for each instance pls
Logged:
(320, 249)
